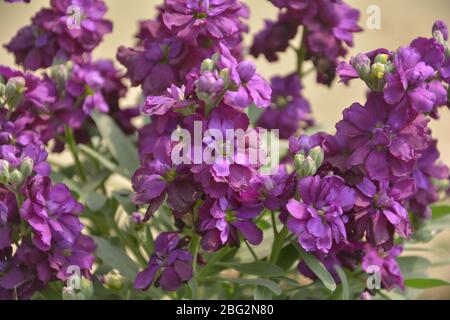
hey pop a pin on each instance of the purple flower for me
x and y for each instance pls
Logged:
(428, 169)
(223, 219)
(156, 59)
(253, 89)
(391, 275)
(216, 20)
(380, 211)
(318, 219)
(275, 37)
(411, 81)
(289, 111)
(170, 259)
(384, 140)
(160, 105)
(55, 34)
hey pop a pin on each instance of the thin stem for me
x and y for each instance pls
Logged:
(70, 139)
(274, 223)
(301, 53)
(213, 261)
(278, 245)
(253, 253)
(195, 246)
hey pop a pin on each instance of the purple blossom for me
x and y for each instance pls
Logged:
(318, 219)
(391, 275)
(413, 81)
(223, 219)
(170, 259)
(385, 141)
(289, 111)
(160, 105)
(216, 20)
(380, 211)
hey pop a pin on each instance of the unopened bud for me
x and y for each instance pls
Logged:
(135, 222)
(26, 167)
(378, 70)
(207, 65)
(2, 89)
(304, 167)
(382, 58)
(16, 178)
(441, 27)
(246, 70)
(224, 74)
(361, 63)
(113, 280)
(298, 161)
(87, 288)
(4, 172)
(317, 154)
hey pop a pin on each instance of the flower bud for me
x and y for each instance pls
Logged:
(378, 70)
(224, 74)
(4, 171)
(305, 167)
(207, 65)
(60, 74)
(87, 288)
(209, 83)
(135, 222)
(26, 167)
(16, 178)
(298, 161)
(113, 280)
(361, 63)
(246, 70)
(317, 154)
(2, 89)
(382, 58)
(441, 26)
(14, 90)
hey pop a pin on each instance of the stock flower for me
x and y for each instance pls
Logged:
(383, 140)
(215, 20)
(390, 273)
(275, 37)
(253, 89)
(379, 210)
(289, 111)
(428, 169)
(160, 105)
(223, 219)
(412, 80)
(171, 259)
(318, 219)
(156, 59)
(56, 34)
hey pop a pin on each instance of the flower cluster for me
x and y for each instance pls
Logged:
(183, 34)
(40, 228)
(68, 30)
(328, 27)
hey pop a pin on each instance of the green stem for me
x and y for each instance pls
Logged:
(194, 247)
(253, 253)
(70, 140)
(217, 257)
(278, 245)
(274, 223)
(301, 53)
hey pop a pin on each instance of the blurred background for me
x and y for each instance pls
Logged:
(401, 22)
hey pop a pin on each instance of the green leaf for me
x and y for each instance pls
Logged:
(262, 293)
(116, 258)
(318, 268)
(94, 200)
(121, 148)
(123, 197)
(103, 160)
(425, 283)
(288, 257)
(260, 268)
(344, 282)
(440, 211)
(269, 284)
(413, 266)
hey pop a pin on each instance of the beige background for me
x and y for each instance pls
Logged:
(402, 20)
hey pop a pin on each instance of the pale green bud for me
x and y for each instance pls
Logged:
(317, 154)
(225, 76)
(298, 161)
(4, 172)
(378, 71)
(26, 167)
(114, 280)
(16, 178)
(382, 58)
(207, 65)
